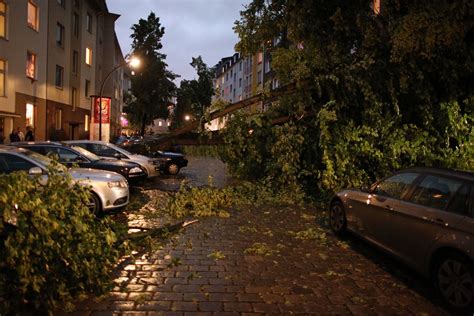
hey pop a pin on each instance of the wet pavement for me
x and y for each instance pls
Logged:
(270, 260)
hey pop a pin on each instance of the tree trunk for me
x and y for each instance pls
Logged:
(142, 130)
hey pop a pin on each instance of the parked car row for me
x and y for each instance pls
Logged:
(106, 168)
(422, 216)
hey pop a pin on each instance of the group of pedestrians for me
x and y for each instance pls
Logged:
(17, 135)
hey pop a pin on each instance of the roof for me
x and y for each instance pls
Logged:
(38, 143)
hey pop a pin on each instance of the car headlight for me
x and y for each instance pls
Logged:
(136, 170)
(117, 184)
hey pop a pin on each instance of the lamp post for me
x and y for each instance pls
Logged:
(133, 62)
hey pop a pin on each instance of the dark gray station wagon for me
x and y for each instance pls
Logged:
(422, 216)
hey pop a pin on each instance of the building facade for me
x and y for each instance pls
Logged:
(53, 54)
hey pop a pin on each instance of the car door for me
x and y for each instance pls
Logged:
(424, 216)
(384, 196)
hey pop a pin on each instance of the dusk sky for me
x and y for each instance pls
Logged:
(192, 28)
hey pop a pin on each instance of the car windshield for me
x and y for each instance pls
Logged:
(42, 160)
(86, 153)
(121, 150)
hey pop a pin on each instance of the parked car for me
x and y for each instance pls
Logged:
(109, 190)
(108, 150)
(170, 163)
(422, 216)
(69, 155)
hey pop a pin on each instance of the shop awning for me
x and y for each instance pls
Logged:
(8, 114)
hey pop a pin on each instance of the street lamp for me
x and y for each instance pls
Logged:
(187, 117)
(133, 62)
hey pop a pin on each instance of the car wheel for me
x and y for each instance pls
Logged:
(454, 278)
(173, 169)
(94, 204)
(337, 218)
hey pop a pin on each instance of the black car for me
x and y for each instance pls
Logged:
(69, 155)
(170, 162)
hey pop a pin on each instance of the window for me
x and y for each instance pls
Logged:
(267, 66)
(395, 185)
(240, 82)
(31, 65)
(11, 163)
(3, 19)
(240, 66)
(59, 119)
(88, 56)
(259, 77)
(376, 6)
(260, 57)
(160, 123)
(86, 88)
(75, 61)
(3, 67)
(89, 22)
(86, 123)
(73, 98)
(435, 191)
(59, 76)
(116, 93)
(60, 35)
(30, 115)
(460, 202)
(62, 3)
(32, 15)
(75, 24)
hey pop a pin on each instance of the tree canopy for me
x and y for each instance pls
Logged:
(194, 96)
(375, 92)
(152, 85)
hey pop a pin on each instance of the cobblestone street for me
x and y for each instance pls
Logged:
(263, 261)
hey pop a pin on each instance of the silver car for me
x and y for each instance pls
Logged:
(108, 150)
(422, 216)
(109, 189)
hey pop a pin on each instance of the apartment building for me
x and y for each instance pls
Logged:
(53, 63)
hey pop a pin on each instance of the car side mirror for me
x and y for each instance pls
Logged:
(35, 171)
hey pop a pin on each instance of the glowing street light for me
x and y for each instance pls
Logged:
(132, 62)
(187, 117)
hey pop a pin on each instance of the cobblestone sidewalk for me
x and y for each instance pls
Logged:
(279, 260)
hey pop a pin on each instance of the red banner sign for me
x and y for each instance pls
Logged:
(105, 110)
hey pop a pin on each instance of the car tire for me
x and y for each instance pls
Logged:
(337, 218)
(95, 205)
(453, 276)
(173, 169)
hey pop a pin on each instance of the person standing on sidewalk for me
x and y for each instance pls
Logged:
(29, 137)
(2, 136)
(14, 136)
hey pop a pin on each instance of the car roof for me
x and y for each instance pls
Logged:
(11, 149)
(464, 174)
(48, 142)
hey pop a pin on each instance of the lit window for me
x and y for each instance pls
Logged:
(2, 77)
(75, 62)
(89, 22)
(32, 15)
(160, 123)
(59, 119)
(3, 19)
(31, 65)
(59, 76)
(169, 123)
(376, 6)
(30, 115)
(260, 57)
(88, 56)
(73, 98)
(86, 122)
(60, 34)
